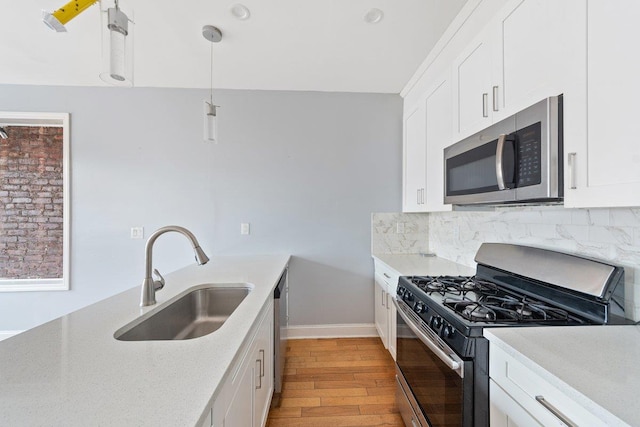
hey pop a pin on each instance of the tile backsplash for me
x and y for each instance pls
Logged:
(607, 234)
(399, 233)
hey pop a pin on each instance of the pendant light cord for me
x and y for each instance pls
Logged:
(211, 94)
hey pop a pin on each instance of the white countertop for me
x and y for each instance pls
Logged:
(415, 265)
(596, 366)
(73, 372)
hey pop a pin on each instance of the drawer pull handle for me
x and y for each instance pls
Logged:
(386, 275)
(485, 105)
(549, 407)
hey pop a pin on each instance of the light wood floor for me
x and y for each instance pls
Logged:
(336, 382)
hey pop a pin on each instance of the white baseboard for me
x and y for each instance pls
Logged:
(332, 331)
(6, 334)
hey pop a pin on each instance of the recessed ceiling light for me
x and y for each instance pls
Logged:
(373, 16)
(240, 11)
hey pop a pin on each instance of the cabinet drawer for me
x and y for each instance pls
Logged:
(536, 395)
(387, 275)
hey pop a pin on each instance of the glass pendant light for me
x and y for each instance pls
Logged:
(214, 35)
(117, 47)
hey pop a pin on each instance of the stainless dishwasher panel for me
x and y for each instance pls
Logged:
(280, 321)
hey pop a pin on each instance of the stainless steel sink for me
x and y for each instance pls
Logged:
(197, 313)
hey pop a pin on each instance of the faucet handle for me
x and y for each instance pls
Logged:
(158, 284)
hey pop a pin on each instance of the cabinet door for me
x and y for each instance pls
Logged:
(263, 356)
(505, 412)
(540, 51)
(473, 95)
(414, 160)
(604, 167)
(380, 309)
(438, 132)
(392, 326)
(240, 410)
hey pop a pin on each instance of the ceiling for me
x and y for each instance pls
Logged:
(310, 45)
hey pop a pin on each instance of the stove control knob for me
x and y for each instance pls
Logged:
(420, 308)
(448, 331)
(436, 322)
(408, 296)
(400, 290)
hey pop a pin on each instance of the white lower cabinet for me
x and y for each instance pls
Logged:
(386, 281)
(380, 311)
(521, 397)
(245, 397)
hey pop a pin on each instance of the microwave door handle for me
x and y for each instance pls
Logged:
(499, 161)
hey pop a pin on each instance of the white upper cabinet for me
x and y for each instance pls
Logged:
(528, 52)
(541, 51)
(474, 94)
(427, 131)
(602, 165)
(438, 136)
(415, 157)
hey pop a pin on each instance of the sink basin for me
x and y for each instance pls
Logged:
(195, 314)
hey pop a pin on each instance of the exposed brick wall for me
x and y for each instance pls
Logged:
(31, 204)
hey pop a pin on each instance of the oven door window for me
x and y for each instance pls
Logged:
(437, 389)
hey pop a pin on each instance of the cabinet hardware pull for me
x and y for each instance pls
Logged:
(555, 411)
(262, 363)
(485, 105)
(495, 98)
(572, 171)
(422, 196)
(259, 386)
(386, 275)
(382, 296)
(418, 196)
(387, 295)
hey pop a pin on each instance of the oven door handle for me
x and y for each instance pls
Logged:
(454, 365)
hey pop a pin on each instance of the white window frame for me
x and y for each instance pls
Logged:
(51, 120)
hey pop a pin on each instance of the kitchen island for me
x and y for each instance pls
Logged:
(592, 372)
(73, 372)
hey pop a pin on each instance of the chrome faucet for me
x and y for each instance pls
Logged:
(150, 286)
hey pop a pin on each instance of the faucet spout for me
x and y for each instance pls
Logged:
(149, 286)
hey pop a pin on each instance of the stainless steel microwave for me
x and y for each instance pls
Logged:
(517, 160)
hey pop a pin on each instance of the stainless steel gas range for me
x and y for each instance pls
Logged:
(442, 357)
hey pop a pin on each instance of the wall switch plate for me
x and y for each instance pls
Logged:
(244, 228)
(137, 232)
(400, 227)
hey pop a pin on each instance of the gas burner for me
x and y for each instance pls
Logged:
(478, 312)
(454, 285)
(524, 311)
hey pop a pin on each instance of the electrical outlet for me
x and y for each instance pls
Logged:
(244, 228)
(400, 227)
(137, 232)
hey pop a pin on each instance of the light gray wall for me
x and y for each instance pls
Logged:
(305, 169)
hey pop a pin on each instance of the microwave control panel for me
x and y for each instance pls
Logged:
(529, 154)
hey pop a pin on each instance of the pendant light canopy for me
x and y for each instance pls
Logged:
(214, 35)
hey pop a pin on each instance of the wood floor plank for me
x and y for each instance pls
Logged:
(378, 409)
(348, 382)
(386, 420)
(357, 400)
(325, 392)
(331, 411)
(287, 412)
(299, 402)
(298, 385)
(381, 391)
